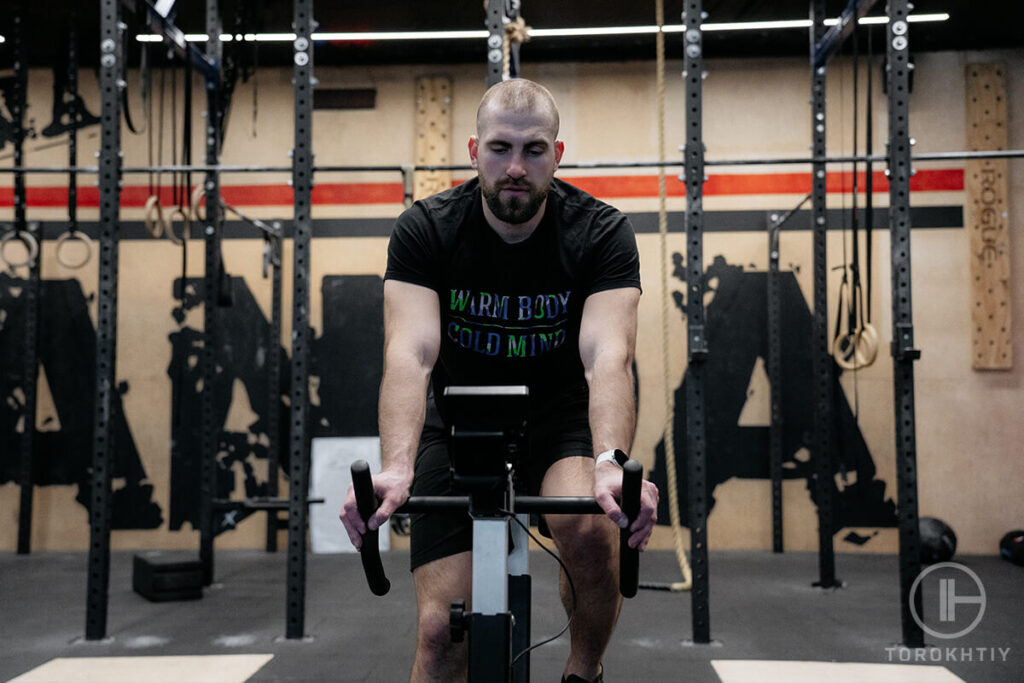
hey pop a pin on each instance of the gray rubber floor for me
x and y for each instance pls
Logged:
(763, 607)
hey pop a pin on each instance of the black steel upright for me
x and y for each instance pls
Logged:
(776, 426)
(212, 283)
(697, 342)
(903, 352)
(302, 186)
(100, 498)
(495, 41)
(821, 352)
(30, 289)
(273, 247)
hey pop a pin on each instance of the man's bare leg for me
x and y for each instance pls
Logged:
(438, 584)
(588, 545)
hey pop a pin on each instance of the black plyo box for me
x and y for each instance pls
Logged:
(160, 577)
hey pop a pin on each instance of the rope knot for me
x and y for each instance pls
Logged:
(517, 31)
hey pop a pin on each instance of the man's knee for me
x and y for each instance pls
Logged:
(434, 632)
(437, 657)
(591, 538)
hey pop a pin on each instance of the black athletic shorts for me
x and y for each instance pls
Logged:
(559, 432)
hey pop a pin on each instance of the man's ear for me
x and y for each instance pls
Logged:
(474, 148)
(559, 150)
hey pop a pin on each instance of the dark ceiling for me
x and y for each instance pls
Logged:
(974, 24)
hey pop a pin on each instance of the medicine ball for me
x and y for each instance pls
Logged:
(938, 542)
(1012, 547)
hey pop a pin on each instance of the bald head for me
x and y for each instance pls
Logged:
(521, 96)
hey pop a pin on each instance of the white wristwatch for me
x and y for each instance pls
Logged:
(612, 455)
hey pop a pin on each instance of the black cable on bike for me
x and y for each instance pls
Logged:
(568, 576)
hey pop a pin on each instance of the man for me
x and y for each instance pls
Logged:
(512, 278)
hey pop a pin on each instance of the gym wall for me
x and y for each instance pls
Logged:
(968, 426)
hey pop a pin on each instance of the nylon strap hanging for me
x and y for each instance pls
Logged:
(869, 181)
(71, 97)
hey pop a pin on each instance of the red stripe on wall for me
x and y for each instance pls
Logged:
(724, 185)
(630, 186)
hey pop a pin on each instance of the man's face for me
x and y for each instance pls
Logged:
(515, 156)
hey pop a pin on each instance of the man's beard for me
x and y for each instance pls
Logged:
(513, 209)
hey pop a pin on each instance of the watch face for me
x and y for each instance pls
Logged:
(621, 457)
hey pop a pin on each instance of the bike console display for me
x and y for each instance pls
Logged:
(488, 435)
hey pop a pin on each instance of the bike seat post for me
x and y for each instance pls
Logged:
(490, 623)
(519, 595)
(490, 553)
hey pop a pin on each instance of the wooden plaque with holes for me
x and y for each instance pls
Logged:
(987, 218)
(433, 135)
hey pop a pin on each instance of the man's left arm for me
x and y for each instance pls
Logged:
(607, 345)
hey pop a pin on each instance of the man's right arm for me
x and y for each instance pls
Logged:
(412, 339)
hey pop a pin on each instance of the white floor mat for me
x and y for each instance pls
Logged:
(195, 669)
(770, 671)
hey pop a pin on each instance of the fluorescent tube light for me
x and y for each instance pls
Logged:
(401, 35)
(595, 31)
(758, 25)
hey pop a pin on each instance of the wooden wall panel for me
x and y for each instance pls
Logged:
(433, 134)
(987, 218)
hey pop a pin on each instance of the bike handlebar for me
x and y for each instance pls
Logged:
(366, 501)
(629, 558)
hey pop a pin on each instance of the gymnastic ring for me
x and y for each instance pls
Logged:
(175, 214)
(71, 236)
(154, 219)
(857, 349)
(198, 194)
(31, 246)
(870, 339)
(844, 351)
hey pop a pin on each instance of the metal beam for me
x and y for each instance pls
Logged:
(903, 352)
(111, 55)
(777, 422)
(781, 161)
(821, 356)
(272, 261)
(173, 37)
(302, 186)
(30, 290)
(834, 38)
(212, 296)
(696, 372)
(495, 23)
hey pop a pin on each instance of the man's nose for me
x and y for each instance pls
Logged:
(516, 168)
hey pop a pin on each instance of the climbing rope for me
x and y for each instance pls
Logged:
(516, 31)
(669, 440)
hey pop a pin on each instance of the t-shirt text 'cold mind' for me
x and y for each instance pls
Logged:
(513, 326)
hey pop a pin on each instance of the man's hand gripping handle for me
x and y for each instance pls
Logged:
(366, 501)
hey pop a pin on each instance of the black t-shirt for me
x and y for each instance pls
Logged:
(510, 313)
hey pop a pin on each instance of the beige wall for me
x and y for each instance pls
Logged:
(968, 422)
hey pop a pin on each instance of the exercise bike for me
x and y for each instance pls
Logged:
(488, 436)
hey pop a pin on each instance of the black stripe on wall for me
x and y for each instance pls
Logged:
(922, 217)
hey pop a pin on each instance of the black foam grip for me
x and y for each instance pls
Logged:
(629, 558)
(366, 502)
